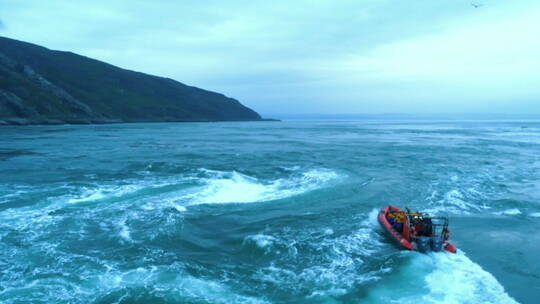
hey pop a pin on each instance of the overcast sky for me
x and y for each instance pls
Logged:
(357, 56)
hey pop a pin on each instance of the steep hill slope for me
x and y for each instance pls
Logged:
(42, 86)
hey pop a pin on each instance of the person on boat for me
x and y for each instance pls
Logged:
(427, 226)
(420, 223)
(415, 220)
(397, 219)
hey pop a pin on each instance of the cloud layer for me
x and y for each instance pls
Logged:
(368, 56)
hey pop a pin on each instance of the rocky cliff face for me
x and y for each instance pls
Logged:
(40, 86)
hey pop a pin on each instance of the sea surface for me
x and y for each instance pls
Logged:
(266, 212)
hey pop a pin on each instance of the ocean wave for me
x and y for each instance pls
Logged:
(481, 193)
(319, 263)
(234, 187)
(205, 187)
(180, 286)
(455, 201)
(115, 286)
(513, 211)
(105, 192)
(124, 231)
(261, 240)
(202, 186)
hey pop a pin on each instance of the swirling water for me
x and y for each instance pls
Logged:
(266, 212)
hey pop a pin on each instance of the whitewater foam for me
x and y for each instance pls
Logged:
(457, 199)
(160, 203)
(124, 232)
(100, 193)
(439, 278)
(331, 264)
(457, 279)
(180, 286)
(212, 187)
(234, 187)
(261, 240)
(179, 208)
(513, 211)
(328, 231)
(454, 201)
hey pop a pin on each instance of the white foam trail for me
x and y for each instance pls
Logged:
(454, 201)
(163, 203)
(440, 278)
(456, 198)
(328, 231)
(535, 214)
(179, 208)
(89, 195)
(513, 211)
(261, 240)
(215, 187)
(234, 187)
(372, 219)
(457, 279)
(104, 192)
(124, 233)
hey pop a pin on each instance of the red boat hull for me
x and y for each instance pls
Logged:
(403, 239)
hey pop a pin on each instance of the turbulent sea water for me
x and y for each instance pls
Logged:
(266, 212)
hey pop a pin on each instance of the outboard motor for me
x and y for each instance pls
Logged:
(423, 244)
(436, 244)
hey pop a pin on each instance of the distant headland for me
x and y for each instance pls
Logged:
(42, 86)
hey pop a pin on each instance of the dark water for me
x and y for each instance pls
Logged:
(266, 212)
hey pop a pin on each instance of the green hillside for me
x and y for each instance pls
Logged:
(41, 86)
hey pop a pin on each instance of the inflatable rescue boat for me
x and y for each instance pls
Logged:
(416, 231)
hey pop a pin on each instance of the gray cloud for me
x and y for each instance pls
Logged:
(310, 56)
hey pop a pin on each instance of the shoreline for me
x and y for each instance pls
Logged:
(54, 122)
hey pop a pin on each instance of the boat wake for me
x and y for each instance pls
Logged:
(440, 278)
(457, 279)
